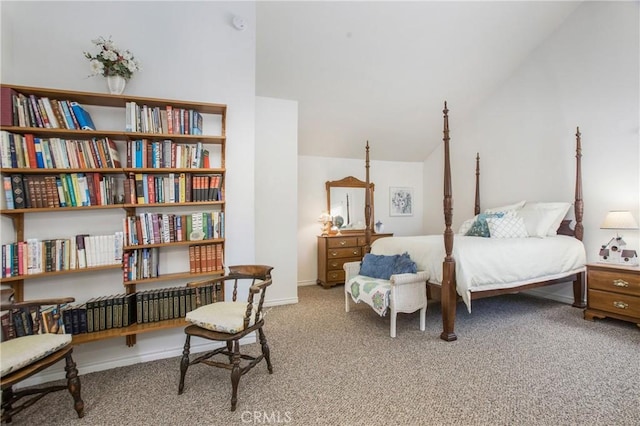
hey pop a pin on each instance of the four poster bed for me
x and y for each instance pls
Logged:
(548, 252)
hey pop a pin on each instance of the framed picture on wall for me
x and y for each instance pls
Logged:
(400, 201)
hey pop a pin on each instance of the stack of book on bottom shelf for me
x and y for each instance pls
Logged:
(108, 312)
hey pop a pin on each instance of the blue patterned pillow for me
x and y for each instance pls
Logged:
(404, 265)
(378, 265)
(480, 228)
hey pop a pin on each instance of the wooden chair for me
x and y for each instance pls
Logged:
(229, 322)
(33, 351)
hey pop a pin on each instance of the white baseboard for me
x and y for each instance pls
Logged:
(306, 282)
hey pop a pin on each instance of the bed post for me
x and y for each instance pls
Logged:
(448, 294)
(476, 208)
(578, 206)
(367, 204)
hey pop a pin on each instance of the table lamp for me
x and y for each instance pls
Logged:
(613, 251)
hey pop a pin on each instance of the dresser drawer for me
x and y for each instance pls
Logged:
(615, 303)
(335, 276)
(613, 281)
(337, 263)
(343, 252)
(342, 242)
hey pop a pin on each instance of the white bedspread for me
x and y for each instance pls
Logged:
(491, 263)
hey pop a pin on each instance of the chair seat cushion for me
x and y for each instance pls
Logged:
(225, 317)
(22, 351)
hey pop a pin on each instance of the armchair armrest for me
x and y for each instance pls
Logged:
(351, 269)
(399, 279)
(7, 302)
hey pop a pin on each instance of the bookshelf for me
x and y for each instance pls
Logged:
(158, 162)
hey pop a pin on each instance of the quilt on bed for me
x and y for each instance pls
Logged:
(491, 263)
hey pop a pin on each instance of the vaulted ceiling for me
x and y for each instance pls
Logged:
(380, 71)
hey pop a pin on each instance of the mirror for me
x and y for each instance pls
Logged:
(346, 202)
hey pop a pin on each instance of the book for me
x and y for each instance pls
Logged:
(84, 118)
(8, 192)
(7, 96)
(114, 155)
(8, 327)
(18, 191)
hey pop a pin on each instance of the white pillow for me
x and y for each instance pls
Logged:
(508, 226)
(509, 207)
(466, 225)
(543, 219)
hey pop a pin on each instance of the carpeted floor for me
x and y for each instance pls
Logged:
(519, 360)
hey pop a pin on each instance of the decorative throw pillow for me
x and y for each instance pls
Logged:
(509, 226)
(507, 208)
(466, 225)
(479, 228)
(378, 265)
(404, 265)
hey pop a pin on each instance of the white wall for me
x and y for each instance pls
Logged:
(188, 51)
(585, 74)
(314, 172)
(277, 195)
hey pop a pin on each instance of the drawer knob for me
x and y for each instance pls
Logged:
(620, 305)
(355, 252)
(333, 253)
(620, 283)
(343, 242)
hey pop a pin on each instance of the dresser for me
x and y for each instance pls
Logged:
(613, 291)
(335, 250)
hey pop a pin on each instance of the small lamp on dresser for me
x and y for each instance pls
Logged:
(326, 223)
(615, 250)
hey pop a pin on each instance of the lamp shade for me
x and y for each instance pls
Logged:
(619, 219)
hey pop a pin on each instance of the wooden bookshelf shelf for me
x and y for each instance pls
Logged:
(57, 273)
(175, 276)
(128, 331)
(176, 243)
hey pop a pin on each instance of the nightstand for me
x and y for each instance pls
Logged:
(613, 291)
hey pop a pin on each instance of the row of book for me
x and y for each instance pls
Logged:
(155, 228)
(143, 263)
(37, 111)
(206, 258)
(109, 312)
(145, 153)
(145, 188)
(167, 120)
(35, 256)
(63, 190)
(30, 152)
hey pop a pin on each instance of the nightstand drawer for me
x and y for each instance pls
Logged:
(614, 281)
(615, 303)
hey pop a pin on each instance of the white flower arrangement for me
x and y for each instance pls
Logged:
(111, 60)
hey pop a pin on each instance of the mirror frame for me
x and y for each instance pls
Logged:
(351, 182)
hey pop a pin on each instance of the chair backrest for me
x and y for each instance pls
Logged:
(260, 276)
(30, 317)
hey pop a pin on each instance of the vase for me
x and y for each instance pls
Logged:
(116, 84)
